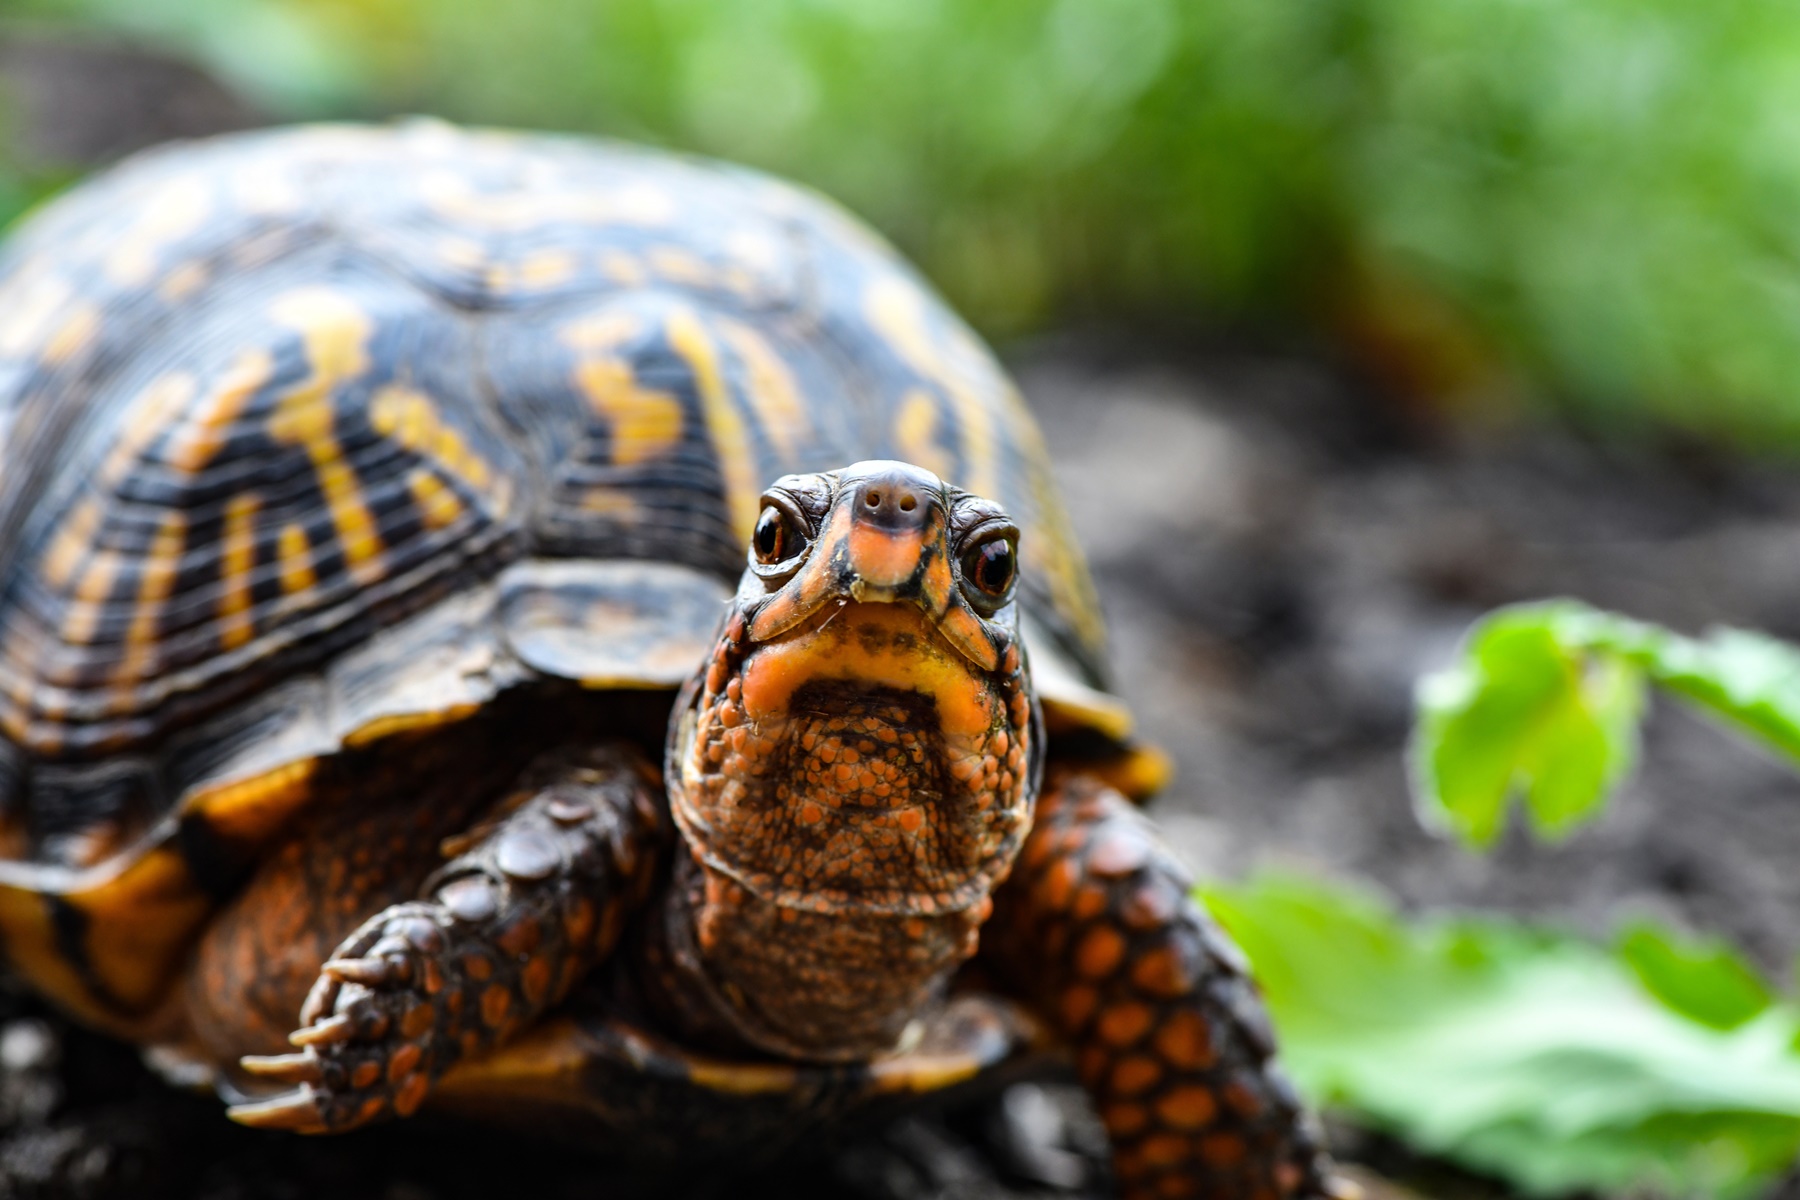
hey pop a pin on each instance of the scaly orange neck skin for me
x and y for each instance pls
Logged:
(851, 792)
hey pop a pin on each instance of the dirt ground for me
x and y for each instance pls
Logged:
(1280, 558)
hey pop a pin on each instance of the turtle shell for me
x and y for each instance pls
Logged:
(313, 436)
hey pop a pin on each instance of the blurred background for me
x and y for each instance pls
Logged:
(1347, 320)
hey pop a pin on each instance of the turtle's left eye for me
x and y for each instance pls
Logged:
(988, 570)
(778, 536)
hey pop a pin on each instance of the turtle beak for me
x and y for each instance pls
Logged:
(886, 540)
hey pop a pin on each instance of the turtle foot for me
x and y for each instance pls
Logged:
(505, 929)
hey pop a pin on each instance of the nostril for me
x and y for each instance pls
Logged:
(908, 502)
(872, 499)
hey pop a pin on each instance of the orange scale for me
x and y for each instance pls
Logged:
(1134, 1075)
(1223, 1149)
(1187, 1107)
(1090, 902)
(1124, 1023)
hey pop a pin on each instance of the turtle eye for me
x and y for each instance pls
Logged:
(988, 570)
(777, 537)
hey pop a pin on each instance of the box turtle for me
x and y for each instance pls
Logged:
(382, 729)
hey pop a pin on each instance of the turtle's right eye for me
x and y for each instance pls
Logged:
(778, 536)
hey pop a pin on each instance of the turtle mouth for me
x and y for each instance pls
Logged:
(859, 761)
(875, 646)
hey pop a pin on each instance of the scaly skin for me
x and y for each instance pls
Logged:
(501, 934)
(1097, 929)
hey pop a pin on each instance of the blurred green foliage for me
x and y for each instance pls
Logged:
(1659, 1068)
(1544, 702)
(1597, 200)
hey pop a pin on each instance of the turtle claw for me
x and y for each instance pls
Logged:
(328, 1032)
(370, 972)
(284, 1068)
(296, 1111)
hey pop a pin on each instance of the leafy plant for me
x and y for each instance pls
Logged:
(1544, 703)
(1527, 1053)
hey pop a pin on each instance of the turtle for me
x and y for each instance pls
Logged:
(555, 632)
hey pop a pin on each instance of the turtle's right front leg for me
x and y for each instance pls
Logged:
(540, 894)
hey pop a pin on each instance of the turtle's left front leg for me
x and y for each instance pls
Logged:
(1097, 926)
(537, 896)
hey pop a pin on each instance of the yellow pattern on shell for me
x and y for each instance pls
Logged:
(388, 726)
(622, 268)
(730, 436)
(155, 583)
(336, 334)
(545, 269)
(247, 810)
(295, 554)
(438, 505)
(148, 418)
(897, 309)
(74, 539)
(412, 419)
(644, 423)
(91, 594)
(182, 282)
(771, 389)
(677, 265)
(915, 433)
(167, 215)
(236, 564)
(73, 335)
(29, 312)
(198, 440)
(603, 331)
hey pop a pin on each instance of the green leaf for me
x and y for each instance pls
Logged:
(1544, 700)
(1707, 981)
(1521, 1051)
(1523, 711)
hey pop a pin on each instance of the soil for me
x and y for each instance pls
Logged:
(1281, 556)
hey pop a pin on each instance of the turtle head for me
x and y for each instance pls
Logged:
(863, 738)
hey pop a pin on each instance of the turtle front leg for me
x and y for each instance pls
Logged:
(537, 895)
(1098, 927)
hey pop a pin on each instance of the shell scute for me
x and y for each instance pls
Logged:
(319, 451)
